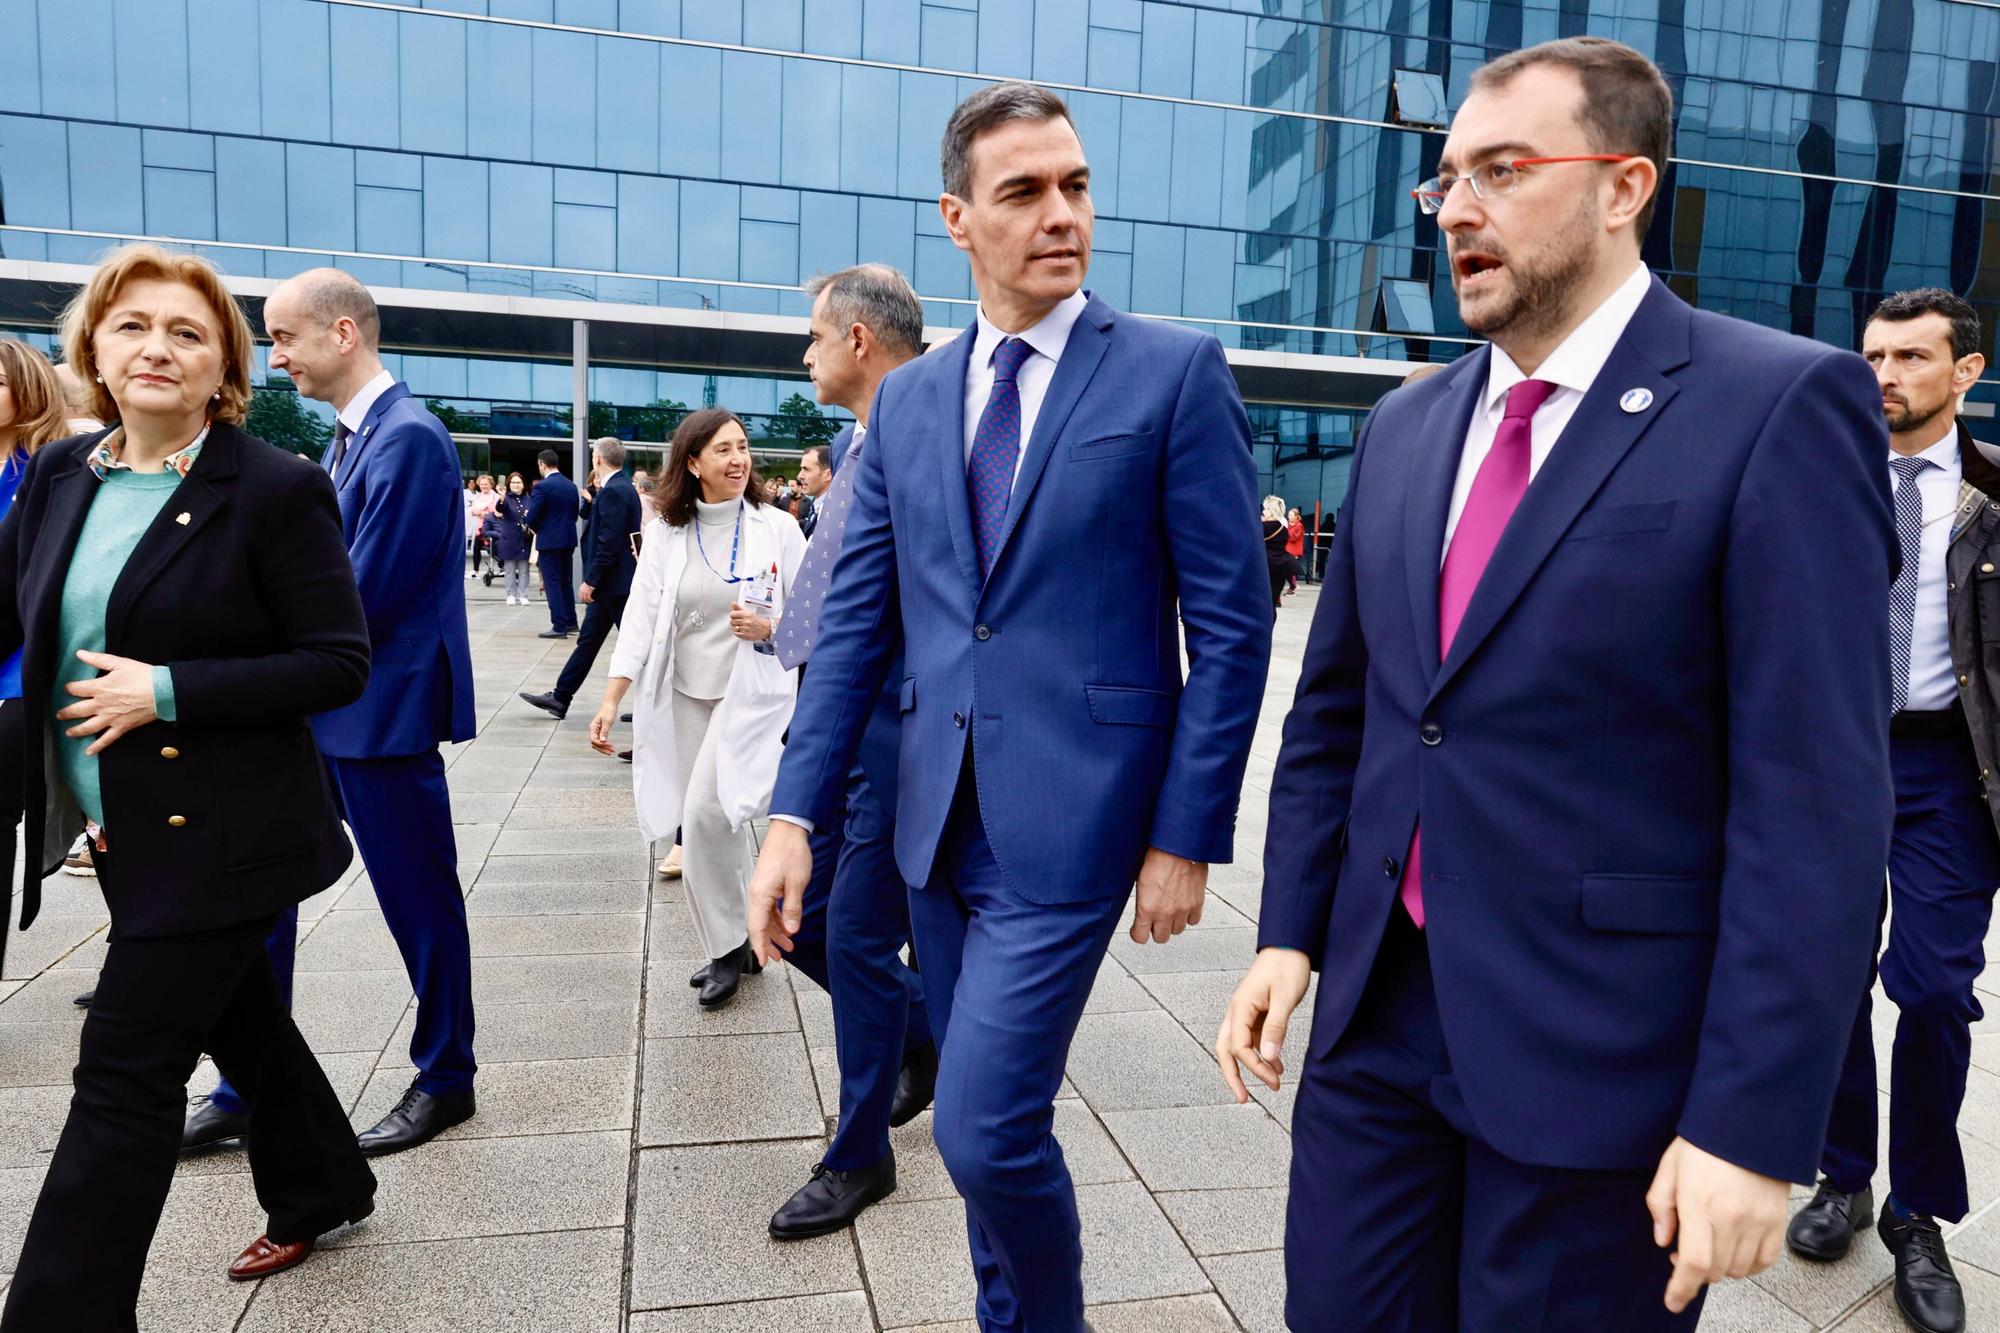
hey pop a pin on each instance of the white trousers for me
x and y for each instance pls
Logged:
(715, 859)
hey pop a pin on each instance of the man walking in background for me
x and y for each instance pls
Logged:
(815, 475)
(553, 506)
(616, 517)
(395, 469)
(1944, 860)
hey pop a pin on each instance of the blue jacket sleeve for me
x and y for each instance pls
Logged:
(1210, 508)
(538, 503)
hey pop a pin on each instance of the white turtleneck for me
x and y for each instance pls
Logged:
(704, 649)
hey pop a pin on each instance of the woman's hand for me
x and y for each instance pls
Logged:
(600, 727)
(110, 705)
(745, 623)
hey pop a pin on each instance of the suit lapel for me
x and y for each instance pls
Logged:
(369, 425)
(1597, 437)
(948, 413)
(1433, 469)
(187, 510)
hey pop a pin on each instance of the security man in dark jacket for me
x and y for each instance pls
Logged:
(552, 513)
(610, 555)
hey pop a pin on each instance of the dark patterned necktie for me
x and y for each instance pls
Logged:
(1909, 509)
(798, 627)
(341, 436)
(996, 445)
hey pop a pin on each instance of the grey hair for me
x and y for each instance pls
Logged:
(988, 109)
(330, 295)
(878, 297)
(610, 449)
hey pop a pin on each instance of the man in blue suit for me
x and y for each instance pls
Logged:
(396, 471)
(1582, 806)
(616, 517)
(1043, 507)
(866, 321)
(553, 506)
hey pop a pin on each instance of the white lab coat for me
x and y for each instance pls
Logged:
(757, 704)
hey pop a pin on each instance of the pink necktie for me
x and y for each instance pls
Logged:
(1496, 493)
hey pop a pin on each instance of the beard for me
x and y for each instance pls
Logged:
(1912, 418)
(1542, 287)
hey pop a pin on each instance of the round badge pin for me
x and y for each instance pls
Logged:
(1636, 400)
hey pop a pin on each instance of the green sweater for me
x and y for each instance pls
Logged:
(125, 505)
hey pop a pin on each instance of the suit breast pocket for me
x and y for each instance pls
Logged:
(1622, 520)
(1105, 447)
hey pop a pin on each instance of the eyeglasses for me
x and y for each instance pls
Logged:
(1493, 179)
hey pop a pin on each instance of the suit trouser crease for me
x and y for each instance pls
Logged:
(599, 618)
(715, 859)
(558, 577)
(1944, 865)
(160, 1003)
(1006, 981)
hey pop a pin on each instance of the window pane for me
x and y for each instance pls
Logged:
(708, 230)
(433, 83)
(223, 67)
(105, 188)
(690, 111)
(586, 236)
(648, 225)
(152, 62)
(498, 117)
(812, 123)
(319, 196)
(770, 252)
(364, 70)
(752, 138)
(565, 97)
(521, 221)
(628, 105)
(20, 62)
(389, 221)
(455, 193)
(34, 171)
(250, 190)
(76, 44)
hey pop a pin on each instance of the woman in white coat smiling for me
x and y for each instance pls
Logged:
(713, 705)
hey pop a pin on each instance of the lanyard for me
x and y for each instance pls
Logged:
(735, 541)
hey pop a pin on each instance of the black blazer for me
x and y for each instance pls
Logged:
(242, 587)
(615, 515)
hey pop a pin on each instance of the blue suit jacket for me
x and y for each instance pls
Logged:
(402, 510)
(1653, 772)
(881, 737)
(553, 506)
(1136, 499)
(607, 542)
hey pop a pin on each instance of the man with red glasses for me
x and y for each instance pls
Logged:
(1583, 803)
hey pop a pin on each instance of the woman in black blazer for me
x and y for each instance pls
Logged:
(184, 601)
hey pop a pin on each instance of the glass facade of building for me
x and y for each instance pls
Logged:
(1252, 159)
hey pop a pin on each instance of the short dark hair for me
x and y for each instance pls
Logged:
(549, 458)
(1627, 106)
(816, 452)
(879, 297)
(988, 109)
(678, 490)
(1899, 306)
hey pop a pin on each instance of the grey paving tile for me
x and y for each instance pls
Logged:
(1203, 1147)
(44, 944)
(919, 1269)
(1130, 1250)
(18, 1190)
(610, 978)
(1745, 1307)
(1090, 1154)
(565, 1282)
(556, 899)
(531, 936)
(1198, 1001)
(525, 1097)
(1228, 1221)
(31, 1120)
(475, 781)
(1115, 992)
(581, 868)
(841, 1312)
(1203, 949)
(720, 1089)
(1820, 1292)
(762, 1004)
(1253, 1287)
(564, 1030)
(349, 1011)
(1278, 1103)
(1174, 1314)
(350, 941)
(49, 998)
(482, 807)
(695, 1243)
(37, 1054)
(1982, 1299)
(198, 1302)
(519, 840)
(453, 1189)
(1142, 1061)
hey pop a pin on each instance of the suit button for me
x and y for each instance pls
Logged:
(169, 752)
(177, 821)
(1961, 680)
(982, 633)
(1431, 734)
(958, 719)
(1389, 867)
(1986, 569)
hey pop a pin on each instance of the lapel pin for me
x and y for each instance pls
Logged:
(183, 518)
(1636, 400)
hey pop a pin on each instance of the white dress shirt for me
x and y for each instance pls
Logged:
(1572, 368)
(1932, 684)
(363, 402)
(1048, 337)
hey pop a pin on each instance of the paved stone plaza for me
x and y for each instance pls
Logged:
(630, 1147)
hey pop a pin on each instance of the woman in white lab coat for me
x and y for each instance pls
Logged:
(709, 723)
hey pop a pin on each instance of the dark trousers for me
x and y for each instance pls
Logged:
(855, 922)
(1006, 981)
(557, 576)
(281, 946)
(1944, 864)
(1403, 1217)
(160, 1003)
(13, 732)
(598, 619)
(400, 813)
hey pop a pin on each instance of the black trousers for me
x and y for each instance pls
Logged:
(598, 618)
(559, 581)
(160, 1003)
(13, 729)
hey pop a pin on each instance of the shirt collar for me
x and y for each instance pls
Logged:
(1577, 360)
(108, 456)
(1944, 454)
(359, 406)
(1049, 335)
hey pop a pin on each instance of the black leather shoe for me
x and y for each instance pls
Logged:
(831, 1200)
(548, 703)
(724, 974)
(553, 634)
(1927, 1291)
(417, 1119)
(915, 1086)
(1825, 1228)
(208, 1124)
(83, 1001)
(700, 978)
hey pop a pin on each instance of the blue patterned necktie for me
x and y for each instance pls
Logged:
(989, 471)
(799, 625)
(1903, 593)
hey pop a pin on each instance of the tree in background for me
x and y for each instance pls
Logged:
(278, 416)
(455, 421)
(799, 418)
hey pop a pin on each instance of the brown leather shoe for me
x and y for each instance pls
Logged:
(265, 1256)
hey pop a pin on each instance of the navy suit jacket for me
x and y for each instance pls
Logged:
(607, 541)
(553, 506)
(1135, 501)
(402, 510)
(881, 737)
(1653, 771)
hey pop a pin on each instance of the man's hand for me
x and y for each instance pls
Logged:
(111, 704)
(1730, 1221)
(584, 592)
(1169, 896)
(778, 889)
(1253, 1029)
